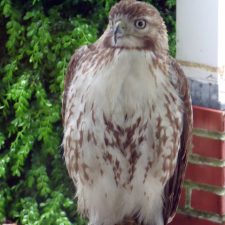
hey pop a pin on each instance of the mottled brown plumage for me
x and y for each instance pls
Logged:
(127, 121)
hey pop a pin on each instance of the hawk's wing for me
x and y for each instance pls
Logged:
(172, 189)
(75, 61)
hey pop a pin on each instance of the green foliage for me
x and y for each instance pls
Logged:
(37, 39)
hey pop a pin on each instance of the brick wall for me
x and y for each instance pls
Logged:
(203, 195)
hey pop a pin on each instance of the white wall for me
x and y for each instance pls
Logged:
(201, 46)
(197, 33)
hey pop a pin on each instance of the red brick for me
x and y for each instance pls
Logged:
(208, 202)
(209, 119)
(206, 174)
(209, 147)
(182, 198)
(187, 220)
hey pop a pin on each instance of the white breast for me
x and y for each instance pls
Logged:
(125, 85)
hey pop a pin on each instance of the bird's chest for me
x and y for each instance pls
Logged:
(121, 116)
(124, 86)
(122, 91)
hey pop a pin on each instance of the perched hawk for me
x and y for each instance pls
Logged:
(127, 121)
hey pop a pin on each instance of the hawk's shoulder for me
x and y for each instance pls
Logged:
(172, 189)
(75, 61)
(177, 77)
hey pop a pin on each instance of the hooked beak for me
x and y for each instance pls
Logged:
(118, 31)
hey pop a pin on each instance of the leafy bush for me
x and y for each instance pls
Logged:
(37, 39)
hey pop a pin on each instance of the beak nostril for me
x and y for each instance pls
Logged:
(120, 26)
(119, 30)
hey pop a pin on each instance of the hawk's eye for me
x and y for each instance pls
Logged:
(140, 23)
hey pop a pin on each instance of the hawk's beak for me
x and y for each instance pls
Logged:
(119, 30)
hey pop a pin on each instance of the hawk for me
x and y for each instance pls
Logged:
(127, 121)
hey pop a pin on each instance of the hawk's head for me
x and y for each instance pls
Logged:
(136, 25)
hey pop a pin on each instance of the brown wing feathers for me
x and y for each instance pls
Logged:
(70, 74)
(172, 189)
